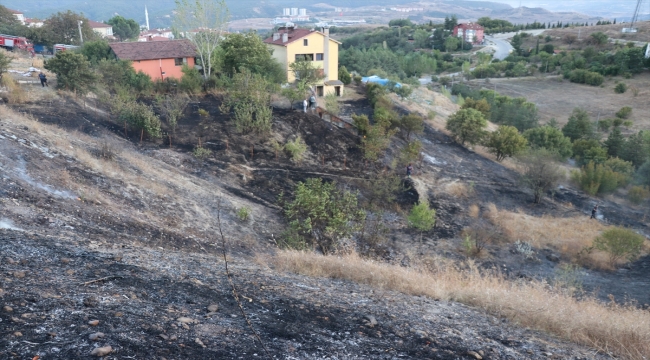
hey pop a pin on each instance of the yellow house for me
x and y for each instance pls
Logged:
(290, 44)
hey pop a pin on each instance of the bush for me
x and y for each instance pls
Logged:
(597, 179)
(332, 104)
(505, 142)
(642, 175)
(201, 153)
(296, 149)
(321, 215)
(362, 123)
(411, 124)
(620, 244)
(620, 88)
(540, 173)
(582, 76)
(243, 213)
(344, 76)
(624, 113)
(422, 218)
(191, 82)
(638, 194)
(73, 72)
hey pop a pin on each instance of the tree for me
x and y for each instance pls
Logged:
(73, 72)
(467, 126)
(141, 117)
(599, 38)
(516, 43)
(410, 152)
(620, 88)
(248, 51)
(624, 112)
(5, 61)
(615, 142)
(642, 175)
(248, 97)
(403, 91)
(451, 43)
(375, 141)
(124, 28)
(96, 51)
(636, 149)
(305, 72)
(551, 139)
(345, 76)
(203, 22)
(63, 28)
(540, 174)
(579, 126)
(480, 105)
(321, 215)
(506, 141)
(585, 150)
(620, 243)
(596, 178)
(422, 218)
(8, 22)
(411, 123)
(172, 108)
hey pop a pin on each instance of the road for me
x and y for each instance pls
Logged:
(501, 45)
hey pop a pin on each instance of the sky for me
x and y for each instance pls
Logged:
(606, 8)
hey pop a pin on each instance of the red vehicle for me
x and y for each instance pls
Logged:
(63, 47)
(11, 42)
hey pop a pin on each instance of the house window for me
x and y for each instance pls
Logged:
(305, 42)
(178, 61)
(306, 57)
(319, 57)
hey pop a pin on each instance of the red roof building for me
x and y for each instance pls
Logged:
(470, 32)
(158, 59)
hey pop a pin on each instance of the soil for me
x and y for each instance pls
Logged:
(146, 219)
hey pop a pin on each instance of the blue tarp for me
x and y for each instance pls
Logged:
(377, 80)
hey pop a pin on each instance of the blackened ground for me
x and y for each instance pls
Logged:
(48, 284)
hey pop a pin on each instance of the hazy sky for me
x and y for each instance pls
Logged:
(607, 8)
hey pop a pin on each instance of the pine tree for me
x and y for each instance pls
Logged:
(615, 143)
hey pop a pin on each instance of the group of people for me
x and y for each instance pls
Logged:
(311, 102)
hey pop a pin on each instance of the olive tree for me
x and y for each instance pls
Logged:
(467, 126)
(506, 141)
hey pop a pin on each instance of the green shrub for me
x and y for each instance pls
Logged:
(344, 75)
(296, 149)
(582, 76)
(467, 126)
(332, 104)
(620, 244)
(201, 153)
(638, 194)
(320, 216)
(362, 124)
(505, 142)
(243, 213)
(191, 82)
(624, 113)
(551, 139)
(620, 88)
(422, 218)
(604, 125)
(598, 179)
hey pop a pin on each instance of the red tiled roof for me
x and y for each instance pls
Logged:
(294, 35)
(471, 26)
(14, 11)
(151, 50)
(96, 25)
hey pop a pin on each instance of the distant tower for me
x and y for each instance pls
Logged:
(146, 16)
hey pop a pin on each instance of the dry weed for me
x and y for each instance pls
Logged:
(459, 189)
(38, 63)
(474, 211)
(15, 93)
(569, 235)
(622, 330)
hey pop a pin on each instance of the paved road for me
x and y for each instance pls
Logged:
(501, 45)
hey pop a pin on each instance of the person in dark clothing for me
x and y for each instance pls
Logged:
(43, 79)
(409, 170)
(593, 212)
(312, 103)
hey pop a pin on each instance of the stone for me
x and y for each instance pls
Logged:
(102, 351)
(553, 258)
(371, 320)
(475, 355)
(19, 274)
(213, 308)
(164, 337)
(198, 341)
(18, 334)
(8, 308)
(185, 320)
(119, 314)
(93, 322)
(69, 272)
(96, 336)
(91, 301)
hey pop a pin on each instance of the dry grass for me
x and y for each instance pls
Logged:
(569, 235)
(614, 329)
(474, 211)
(15, 93)
(38, 63)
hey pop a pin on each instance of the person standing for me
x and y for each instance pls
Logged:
(304, 105)
(312, 102)
(594, 211)
(43, 79)
(409, 170)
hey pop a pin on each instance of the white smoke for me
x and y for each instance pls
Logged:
(7, 224)
(21, 172)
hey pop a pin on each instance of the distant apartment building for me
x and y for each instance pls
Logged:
(286, 12)
(156, 35)
(294, 12)
(19, 15)
(36, 23)
(406, 9)
(290, 19)
(302, 12)
(102, 29)
(470, 32)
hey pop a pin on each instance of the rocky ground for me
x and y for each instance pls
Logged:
(99, 227)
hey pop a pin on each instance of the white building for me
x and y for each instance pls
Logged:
(19, 15)
(302, 12)
(294, 11)
(286, 12)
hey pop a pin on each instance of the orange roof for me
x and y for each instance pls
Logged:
(14, 11)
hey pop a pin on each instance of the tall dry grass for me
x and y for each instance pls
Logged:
(614, 329)
(15, 94)
(569, 235)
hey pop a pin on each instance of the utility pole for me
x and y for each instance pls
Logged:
(579, 33)
(81, 36)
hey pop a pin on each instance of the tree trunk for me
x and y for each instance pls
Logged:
(125, 134)
(170, 141)
(141, 135)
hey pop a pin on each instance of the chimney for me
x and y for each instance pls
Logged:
(276, 36)
(285, 37)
